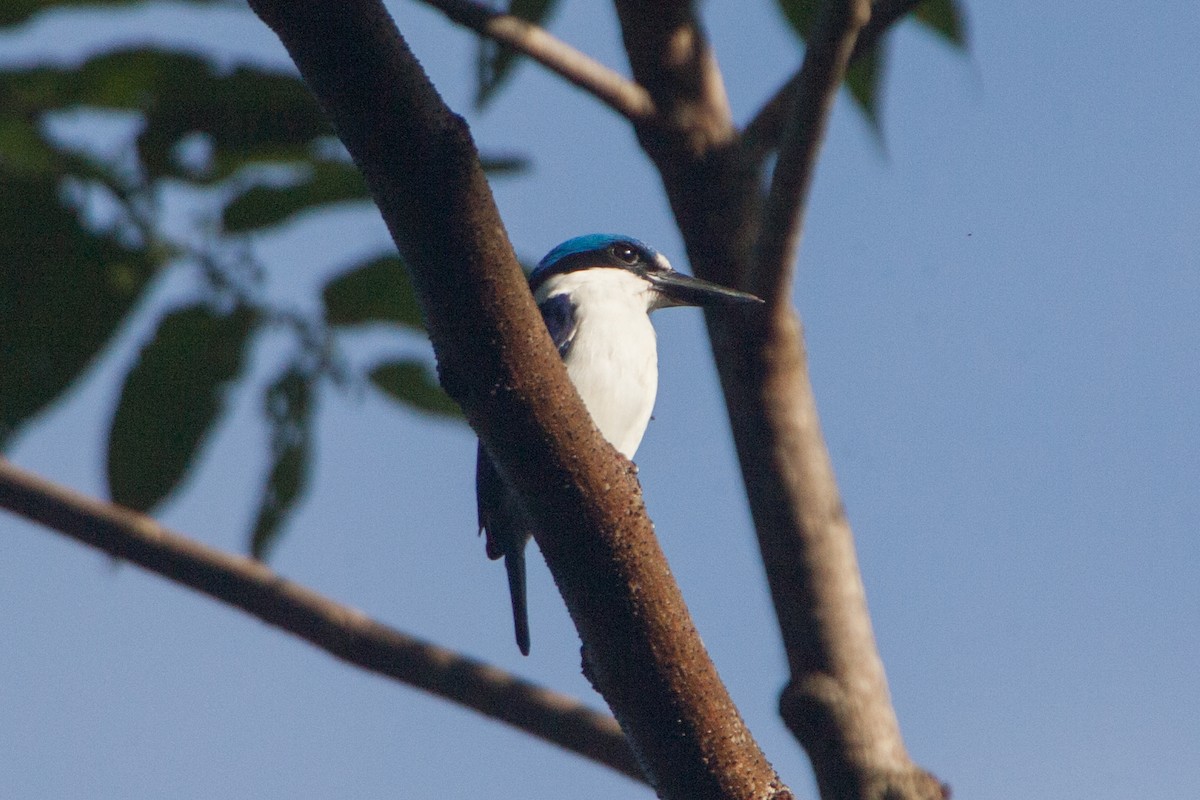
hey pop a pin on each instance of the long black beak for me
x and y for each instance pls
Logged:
(677, 289)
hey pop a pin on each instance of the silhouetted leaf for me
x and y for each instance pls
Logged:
(247, 115)
(14, 11)
(289, 408)
(800, 14)
(863, 78)
(494, 62)
(23, 148)
(171, 399)
(498, 166)
(262, 206)
(63, 292)
(376, 291)
(322, 182)
(411, 383)
(943, 17)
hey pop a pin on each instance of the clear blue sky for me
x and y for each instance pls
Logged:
(1001, 309)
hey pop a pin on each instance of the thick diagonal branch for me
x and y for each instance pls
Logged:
(496, 360)
(342, 631)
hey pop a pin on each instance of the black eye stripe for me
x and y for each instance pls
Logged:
(622, 254)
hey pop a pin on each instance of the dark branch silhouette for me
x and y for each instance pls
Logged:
(342, 631)
(495, 358)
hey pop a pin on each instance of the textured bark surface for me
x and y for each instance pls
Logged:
(836, 702)
(495, 359)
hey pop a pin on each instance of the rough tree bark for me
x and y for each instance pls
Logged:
(495, 358)
(836, 701)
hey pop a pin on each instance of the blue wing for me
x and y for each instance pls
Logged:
(507, 534)
(559, 313)
(500, 516)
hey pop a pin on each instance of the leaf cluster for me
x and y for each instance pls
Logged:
(83, 241)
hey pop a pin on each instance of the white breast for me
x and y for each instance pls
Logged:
(613, 360)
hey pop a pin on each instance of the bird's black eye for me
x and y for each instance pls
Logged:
(626, 253)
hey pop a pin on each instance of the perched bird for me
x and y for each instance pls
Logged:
(595, 293)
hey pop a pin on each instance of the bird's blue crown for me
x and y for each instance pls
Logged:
(589, 243)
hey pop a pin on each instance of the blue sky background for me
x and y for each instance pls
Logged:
(1001, 309)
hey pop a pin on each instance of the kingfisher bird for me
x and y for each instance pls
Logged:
(595, 293)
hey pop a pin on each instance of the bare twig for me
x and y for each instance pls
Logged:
(618, 92)
(884, 14)
(341, 631)
(765, 130)
(825, 60)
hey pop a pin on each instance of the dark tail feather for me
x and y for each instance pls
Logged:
(514, 562)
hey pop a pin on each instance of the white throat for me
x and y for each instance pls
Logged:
(613, 358)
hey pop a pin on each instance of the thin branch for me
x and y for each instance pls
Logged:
(344, 632)
(825, 60)
(610, 87)
(884, 14)
(764, 131)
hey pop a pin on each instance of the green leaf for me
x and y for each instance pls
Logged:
(263, 206)
(865, 75)
(498, 166)
(945, 18)
(378, 290)
(14, 11)
(64, 290)
(494, 62)
(171, 400)
(800, 15)
(248, 114)
(410, 383)
(289, 408)
(23, 149)
(862, 79)
(323, 182)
